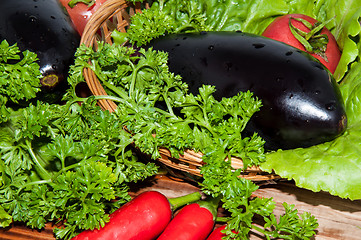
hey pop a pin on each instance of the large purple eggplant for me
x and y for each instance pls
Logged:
(43, 27)
(302, 104)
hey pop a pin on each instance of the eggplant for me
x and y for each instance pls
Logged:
(43, 27)
(301, 102)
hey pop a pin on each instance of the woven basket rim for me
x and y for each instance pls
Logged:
(120, 11)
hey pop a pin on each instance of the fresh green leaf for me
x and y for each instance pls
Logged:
(166, 17)
(5, 218)
(331, 166)
(19, 74)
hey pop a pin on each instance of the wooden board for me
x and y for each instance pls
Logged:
(338, 218)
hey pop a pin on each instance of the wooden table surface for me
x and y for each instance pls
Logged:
(339, 219)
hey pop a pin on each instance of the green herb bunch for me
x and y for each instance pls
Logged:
(14, 67)
(155, 106)
(60, 163)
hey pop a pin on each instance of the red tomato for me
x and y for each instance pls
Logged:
(81, 12)
(280, 30)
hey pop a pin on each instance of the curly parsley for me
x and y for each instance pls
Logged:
(155, 106)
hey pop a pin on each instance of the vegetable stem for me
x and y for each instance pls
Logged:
(33, 183)
(72, 3)
(134, 77)
(261, 230)
(222, 219)
(206, 126)
(116, 90)
(44, 174)
(169, 106)
(68, 168)
(181, 201)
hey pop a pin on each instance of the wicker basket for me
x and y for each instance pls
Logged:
(116, 14)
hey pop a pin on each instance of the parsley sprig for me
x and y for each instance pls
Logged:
(15, 67)
(59, 163)
(165, 17)
(155, 106)
(71, 161)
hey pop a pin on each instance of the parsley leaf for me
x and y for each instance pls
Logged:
(19, 73)
(72, 161)
(165, 17)
(157, 109)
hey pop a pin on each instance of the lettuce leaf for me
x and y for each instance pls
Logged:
(333, 166)
(255, 15)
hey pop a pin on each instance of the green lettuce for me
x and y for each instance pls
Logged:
(255, 15)
(332, 166)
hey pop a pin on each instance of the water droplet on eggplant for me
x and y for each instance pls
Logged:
(258, 45)
(300, 82)
(331, 106)
(204, 61)
(318, 65)
(228, 66)
(279, 79)
(33, 19)
(211, 47)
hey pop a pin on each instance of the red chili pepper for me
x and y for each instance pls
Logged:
(143, 218)
(193, 222)
(217, 234)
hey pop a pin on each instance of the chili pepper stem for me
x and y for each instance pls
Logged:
(222, 219)
(211, 203)
(181, 201)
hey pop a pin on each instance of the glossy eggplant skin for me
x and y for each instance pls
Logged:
(43, 27)
(302, 104)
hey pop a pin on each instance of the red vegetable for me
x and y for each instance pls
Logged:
(193, 222)
(217, 234)
(306, 34)
(143, 218)
(80, 11)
